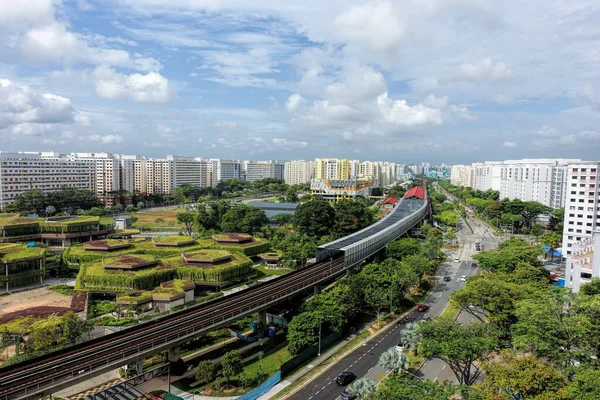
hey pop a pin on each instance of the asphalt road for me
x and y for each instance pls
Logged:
(363, 361)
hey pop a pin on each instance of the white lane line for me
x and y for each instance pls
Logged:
(320, 391)
(323, 388)
(443, 367)
(370, 369)
(310, 397)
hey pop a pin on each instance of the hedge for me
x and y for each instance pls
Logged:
(260, 246)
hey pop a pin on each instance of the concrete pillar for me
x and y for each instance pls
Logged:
(317, 289)
(173, 354)
(262, 318)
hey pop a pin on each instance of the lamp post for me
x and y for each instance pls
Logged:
(321, 322)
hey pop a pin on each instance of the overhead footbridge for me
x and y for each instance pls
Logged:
(46, 374)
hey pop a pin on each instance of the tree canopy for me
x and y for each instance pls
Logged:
(314, 218)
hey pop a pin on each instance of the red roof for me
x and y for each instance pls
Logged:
(391, 200)
(416, 192)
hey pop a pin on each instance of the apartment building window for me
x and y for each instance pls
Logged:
(580, 223)
(573, 185)
(573, 192)
(583, 170)
(593, 170)
(580, 208)
(570, 237)
(588, 232)
(572, 215)
(570, 230)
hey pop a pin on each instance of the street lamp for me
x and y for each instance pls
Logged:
(320, 322)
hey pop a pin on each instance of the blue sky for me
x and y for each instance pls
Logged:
(452, 81)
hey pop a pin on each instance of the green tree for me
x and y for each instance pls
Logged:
(462, 347)
(549, 328)
(361, 389)
(401, 248)
(351, 216)
(419, 264)
(401, 387)
(206, 371)
(551, 239)
(282, 219)
(291, 196)
(410, 333)
(231, 365)
(188, 219)
(314, 218)
(531, 210)
(536, 230)
(509, 255)
(244, 219)
(74, 328)
(491, 295)
(521, 376)
(394, 360)
(585, 386)
(303, 331)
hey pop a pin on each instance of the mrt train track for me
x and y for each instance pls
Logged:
(44, 374)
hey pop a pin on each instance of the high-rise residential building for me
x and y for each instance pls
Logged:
(583, 262)
(46, 171)
(228, 169)
(541, 180)
(298, 172)
(128, 170)
(461, 175)
(159, 176)
(256, 170)
(582, 207)
(327, 168)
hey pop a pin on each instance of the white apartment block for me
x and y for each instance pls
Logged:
(298, 172)
(461, 175)
(582, 208)
(256, 170)
(228, 169)
(47, 171)
(383, 173)
(541, 180)
(583, 262)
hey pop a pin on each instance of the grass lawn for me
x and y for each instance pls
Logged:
(262, 271)
(63, 289)
(149, 218)
(270, 363)
(450, 311)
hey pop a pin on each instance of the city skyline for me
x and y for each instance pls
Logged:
(367, 80)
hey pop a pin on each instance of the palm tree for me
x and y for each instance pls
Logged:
(411, 336)
(361, 389)
(394, 360)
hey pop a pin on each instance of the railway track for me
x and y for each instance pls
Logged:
(34, 376)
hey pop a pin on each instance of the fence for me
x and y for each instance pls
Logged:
(263, 388)
(291, 365)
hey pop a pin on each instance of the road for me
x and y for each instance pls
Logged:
(435, 369)
(363, 361)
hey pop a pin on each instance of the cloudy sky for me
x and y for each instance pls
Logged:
(425, 80)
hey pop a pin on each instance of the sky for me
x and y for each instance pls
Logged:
(454, 81)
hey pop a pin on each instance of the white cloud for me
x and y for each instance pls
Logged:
(293, 102)
(398, 112)
(20, 104)
(503, 100)
(17, 14)
(107, 139)
(288, 144)
(509, 144)
(149, 88)
(547, 131)
(371, 26)
(486, 71)
(167, 132)
(29, 129)
(226, 125)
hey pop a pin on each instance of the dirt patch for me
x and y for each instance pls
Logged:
(33, 298)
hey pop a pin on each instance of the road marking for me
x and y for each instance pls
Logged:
(433, 380)
(323, 388)
(370, 369)
(443, 367)
(320, 391)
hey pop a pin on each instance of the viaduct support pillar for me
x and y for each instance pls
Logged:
(173, 354)
(317, 289)
(380, 256)
(262, 318)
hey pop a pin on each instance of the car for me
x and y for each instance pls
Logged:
(401, 346)
(463, 278)
(347, 396)
(447, 278)
(422, 308)
(345, 378)
(456, 260)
